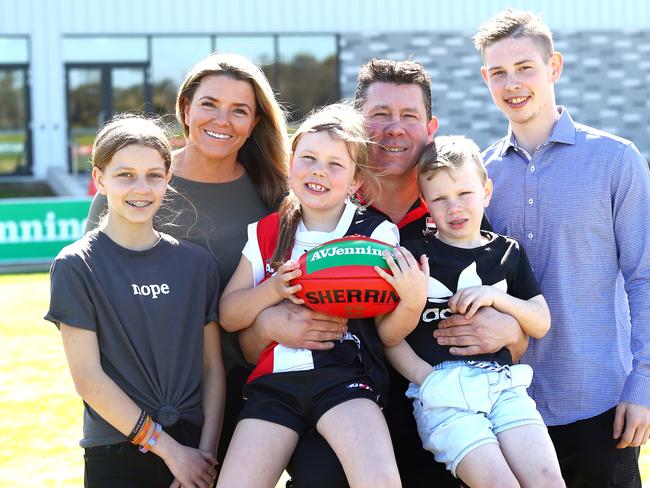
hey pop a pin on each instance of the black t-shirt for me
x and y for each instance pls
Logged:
(148, 309)
(502, 263)
(214, 216)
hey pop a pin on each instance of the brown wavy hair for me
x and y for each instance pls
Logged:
(264, 155)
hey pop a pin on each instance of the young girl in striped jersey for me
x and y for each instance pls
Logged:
(334, 391)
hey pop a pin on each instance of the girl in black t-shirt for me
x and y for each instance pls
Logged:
(137, 311)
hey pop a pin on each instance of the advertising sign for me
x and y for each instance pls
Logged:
(34, 230)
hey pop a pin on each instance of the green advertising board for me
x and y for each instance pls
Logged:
(34, 230)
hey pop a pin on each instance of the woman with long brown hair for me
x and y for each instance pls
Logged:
(231, 172)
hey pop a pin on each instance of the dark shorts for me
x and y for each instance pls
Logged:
(125, 466)
(314, 464)
(298, 399)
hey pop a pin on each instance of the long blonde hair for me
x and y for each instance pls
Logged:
(264, 154)
(342, 121)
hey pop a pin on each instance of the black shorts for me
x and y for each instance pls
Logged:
(314, 464)
(298, 399)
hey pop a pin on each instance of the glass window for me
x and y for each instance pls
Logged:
(85, 114)
(14, 50)
(105, 49)
(95, 93)
(259, 49)
(307, 72)
(171, 58)
(14, 146)
(128, 87)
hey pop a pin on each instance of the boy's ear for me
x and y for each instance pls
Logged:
(557, 63)
(488, 193)
(98, 178)
(484, 74)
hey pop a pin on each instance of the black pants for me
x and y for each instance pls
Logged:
(314, 464)
(124, 466)
(589, 458)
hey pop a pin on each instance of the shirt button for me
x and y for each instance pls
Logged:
(530, 201)
(532, 168)
(530, 235)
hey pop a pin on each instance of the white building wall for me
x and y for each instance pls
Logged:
(45, 22)
(47, 92)
(345, 16)
(40, 20)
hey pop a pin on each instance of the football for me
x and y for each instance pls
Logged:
(338, 278)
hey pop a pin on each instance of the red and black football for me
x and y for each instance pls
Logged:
(338, 278)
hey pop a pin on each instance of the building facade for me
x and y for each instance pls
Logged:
(68, 65)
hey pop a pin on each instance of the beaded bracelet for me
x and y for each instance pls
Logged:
(138, 425)
(139, 438)
(152, 440)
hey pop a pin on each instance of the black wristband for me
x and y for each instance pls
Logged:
(138, 425)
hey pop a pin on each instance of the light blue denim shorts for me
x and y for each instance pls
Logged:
(461, 406)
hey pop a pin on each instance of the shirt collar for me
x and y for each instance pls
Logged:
(417, 211)
(564, 132)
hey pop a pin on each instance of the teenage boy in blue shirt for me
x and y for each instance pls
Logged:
(575, 197)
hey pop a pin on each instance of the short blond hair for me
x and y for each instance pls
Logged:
(448, 153)
(517, 24)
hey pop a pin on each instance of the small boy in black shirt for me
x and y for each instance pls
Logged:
(473, 412)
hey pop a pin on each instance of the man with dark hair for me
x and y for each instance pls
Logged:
(573, 197)
(396, 72)
(395, 99)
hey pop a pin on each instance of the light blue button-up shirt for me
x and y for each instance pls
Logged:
(580, 205)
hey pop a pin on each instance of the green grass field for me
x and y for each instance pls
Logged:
(40, 413)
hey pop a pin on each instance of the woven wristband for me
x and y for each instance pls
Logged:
(152, 440)
(138, 425)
